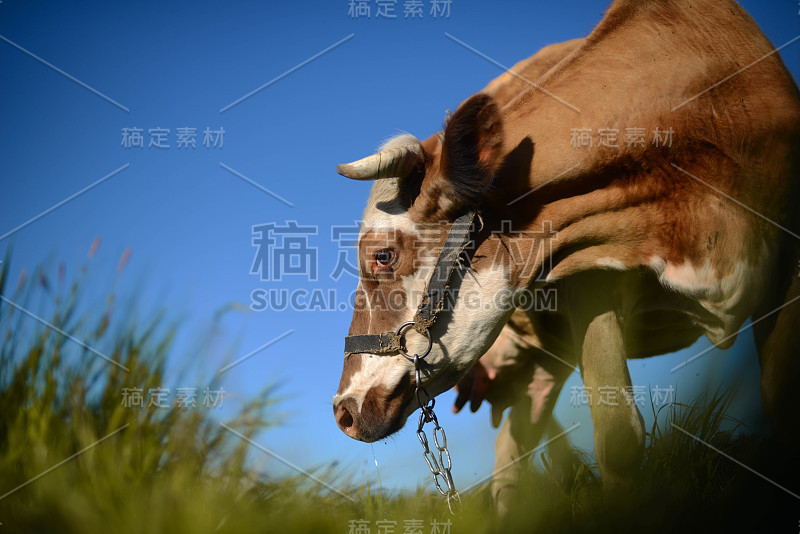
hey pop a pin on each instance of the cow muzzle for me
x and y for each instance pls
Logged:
(381, 412)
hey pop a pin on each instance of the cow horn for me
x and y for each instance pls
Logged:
(392, 163)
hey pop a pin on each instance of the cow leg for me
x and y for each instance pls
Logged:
(618, 426)
(506, 473)
(528, 419)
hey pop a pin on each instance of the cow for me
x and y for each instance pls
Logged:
(649, 246)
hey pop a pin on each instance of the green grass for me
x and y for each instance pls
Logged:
(179, 471)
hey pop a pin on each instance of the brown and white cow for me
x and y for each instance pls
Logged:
(651, 246)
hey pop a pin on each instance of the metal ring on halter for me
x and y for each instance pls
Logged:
(403, 351)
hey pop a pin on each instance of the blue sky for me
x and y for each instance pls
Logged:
(187, 213)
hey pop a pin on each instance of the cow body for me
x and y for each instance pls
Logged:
(649, 246)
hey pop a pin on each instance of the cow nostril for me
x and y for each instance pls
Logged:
(344, 418)
(346, 415)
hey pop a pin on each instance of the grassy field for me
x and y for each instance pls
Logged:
(73, 459)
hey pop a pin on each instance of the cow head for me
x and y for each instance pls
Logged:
(419, 189)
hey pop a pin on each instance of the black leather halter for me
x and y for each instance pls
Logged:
(391, 343)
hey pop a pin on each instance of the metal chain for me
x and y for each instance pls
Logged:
(440, 468)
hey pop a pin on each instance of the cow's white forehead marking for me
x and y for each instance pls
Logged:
(384, 210)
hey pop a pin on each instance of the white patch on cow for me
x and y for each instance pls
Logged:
(610, 263)
(729, 299)
(381, 221)
(657, 264)
(475, 322)
(375, 371)
(687, 279)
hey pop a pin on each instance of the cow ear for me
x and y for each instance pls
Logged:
(471, 152)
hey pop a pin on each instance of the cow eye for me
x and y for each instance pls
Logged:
(384, 257)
